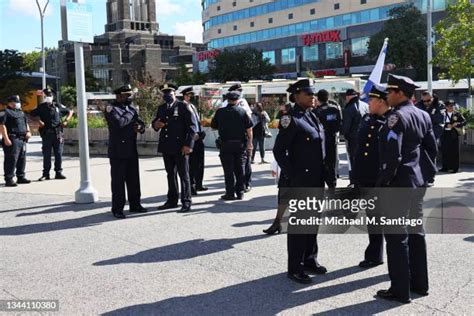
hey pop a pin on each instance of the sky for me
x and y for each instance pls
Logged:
(20, 26)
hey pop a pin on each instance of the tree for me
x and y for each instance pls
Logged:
(148, 96)
(92, 83)
(31, 61)
(11, 79)
(406, 30)
(454, 49)
(241, 65)
(184, 77)
(68, 96)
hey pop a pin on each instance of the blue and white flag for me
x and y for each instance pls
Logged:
(376, 74)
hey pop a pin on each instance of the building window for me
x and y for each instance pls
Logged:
(290, 16)
(219, 31)
(252, 24)
(363, 1)
(235, 27)
(312, 11)
(336, 6)
(270, 55)
(234, 4)
(125, 56)
(100, 60)
(310, 53)
(218, 8)
(270, 20)
(288, 55)
(360, 46)
(333, 50)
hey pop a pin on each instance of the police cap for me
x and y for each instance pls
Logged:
(187, 91)
(402, 83)
(49, 91)
(351, 92)
(13, 98)
(167, 87)
(378, 91)
(233, 95)
(304, 85)
(127, 89)
(235, 87)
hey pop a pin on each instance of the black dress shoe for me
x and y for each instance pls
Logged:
(443, 170)
(194, 192)
(43, 178)
(369, 264)
(274, 229)
(388, 295)
(301, 277)
(185, 209)
(118, 214)
(167, 206)
(23, 181)
(202, 189)
(59, 176)
(419, 292)
(315, 268)
(248, 189)
(227, 197)
(11, 184)
(139, 209)
(239, 197)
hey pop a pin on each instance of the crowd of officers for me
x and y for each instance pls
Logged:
(390, 143)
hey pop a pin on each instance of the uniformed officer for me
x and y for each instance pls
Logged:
(196, 158)
(235, 131)
(407, 133)
(178, 127)
(299, 151)
(352, 115)
(330, 116)
(432, 106)
(124, 124)
(453, 130)
(53, 117)
(366, 167)
(242, 102)
(15, 133)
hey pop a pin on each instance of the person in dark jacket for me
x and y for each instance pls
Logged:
(124, 125)
(351, 117)
(431, 105)
(453, 130)
(260, 119)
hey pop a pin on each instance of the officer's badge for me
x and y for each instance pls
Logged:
(455, 118)
(285, 121)
(57, 110)
(109, 108)
(175, 111)
(392, 120)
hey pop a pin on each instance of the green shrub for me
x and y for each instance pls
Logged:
(92, 122)
(469, 116)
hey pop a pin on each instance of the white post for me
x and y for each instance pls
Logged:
(430, 47)
(86, 193)
(42, 12)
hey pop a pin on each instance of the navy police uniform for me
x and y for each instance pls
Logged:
(232, 123)
(16, 124)
(300, 150)
(407, 133)
(330, 117)
(196, 158)
(51, 114)
(180, 130)
(453, 129)
(124, 124)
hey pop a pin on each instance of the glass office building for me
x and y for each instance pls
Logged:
(322, 36)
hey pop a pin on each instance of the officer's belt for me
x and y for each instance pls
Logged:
(16, 135)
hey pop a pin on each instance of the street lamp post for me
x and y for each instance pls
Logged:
(430, 47)
(42, 11)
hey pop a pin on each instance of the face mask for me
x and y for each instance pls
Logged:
(129, 101)
(18, 106)
(168, 98)
(48, 99)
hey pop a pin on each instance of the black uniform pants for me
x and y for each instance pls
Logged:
(125, 172)
(302, 248)
(450, 150)
(196, 165)
(247, 160)
(52, 142)
(234, 165)
(374, 251)
(406, 246)
(330, 173)
(178, 164)
(351, 146)
(15, 158)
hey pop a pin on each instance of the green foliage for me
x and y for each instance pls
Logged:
(92, 84)
(241, 65)
(148, 97)
(406, 30)
(31, 61)
(185, 78)
(469, 116)
(454, 47)
(68, 96)
(11, 81)
(92, 122)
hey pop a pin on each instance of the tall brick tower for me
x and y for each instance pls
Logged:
(131, 15)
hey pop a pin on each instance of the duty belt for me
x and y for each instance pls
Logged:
(16, 135)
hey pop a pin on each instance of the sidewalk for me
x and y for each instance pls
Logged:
(212, 261)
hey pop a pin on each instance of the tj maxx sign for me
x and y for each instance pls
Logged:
(209, 54)
(323, 37)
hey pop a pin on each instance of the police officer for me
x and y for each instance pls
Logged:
(52, 118)
(453, 130)
(432, 106)
(178, 128)
(235, 131)
(366, 167)
(407, 132)
(242, 102)
(352, 115)
(15, 133)
(299, 150)
(196, 158)
(330, 117)
(124, 124)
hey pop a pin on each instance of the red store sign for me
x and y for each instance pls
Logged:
(321, 37)
(322, 73)
(209, 54)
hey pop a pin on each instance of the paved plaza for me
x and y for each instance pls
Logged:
(214, 260)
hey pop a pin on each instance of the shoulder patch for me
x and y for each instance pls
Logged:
(285, 121)
(2, 113)
(109, 108)
(392, 120)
